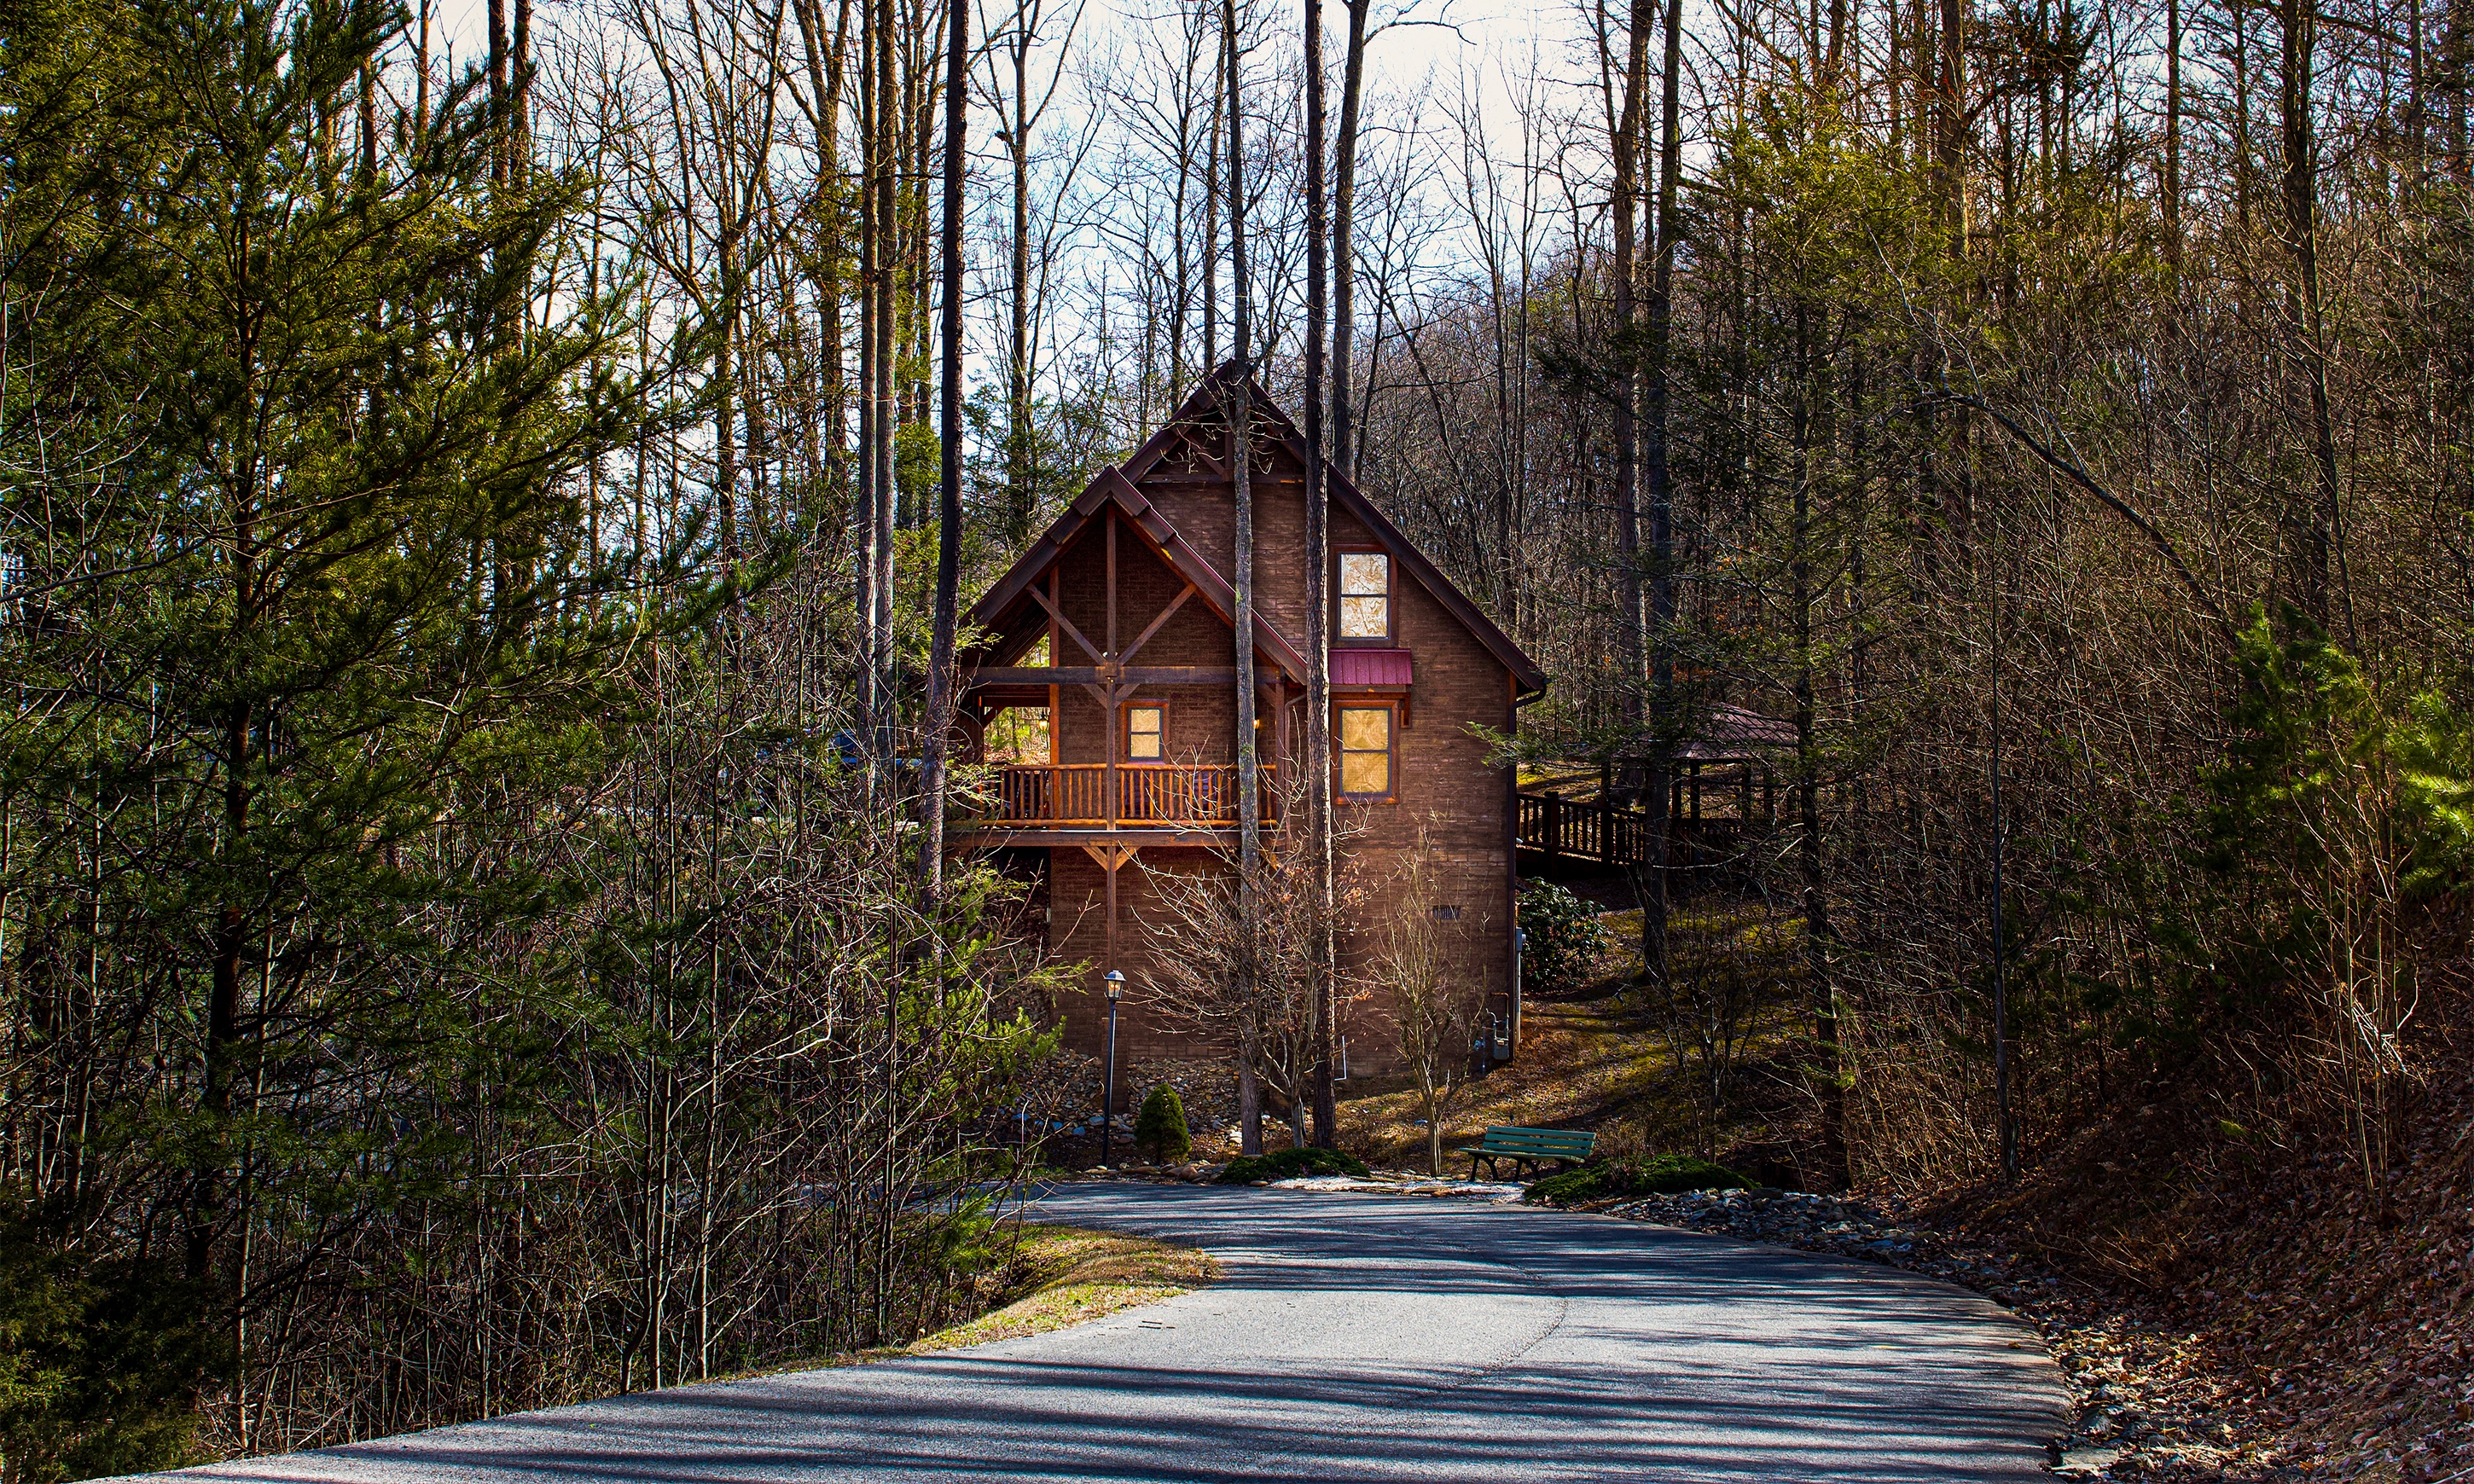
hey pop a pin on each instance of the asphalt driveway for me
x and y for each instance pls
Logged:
(1353, 1337)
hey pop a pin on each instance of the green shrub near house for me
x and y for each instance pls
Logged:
(1561, 937)
(1159, 1129)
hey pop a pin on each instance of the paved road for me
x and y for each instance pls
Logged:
(1354, 1338)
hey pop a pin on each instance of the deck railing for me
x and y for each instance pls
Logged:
(1613, 834)
(1149, 795)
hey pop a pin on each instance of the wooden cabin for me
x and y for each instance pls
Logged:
(1106, 700)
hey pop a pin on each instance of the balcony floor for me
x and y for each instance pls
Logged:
(970, 837)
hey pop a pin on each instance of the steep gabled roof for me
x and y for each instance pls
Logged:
(1204, 402)
(1112, 487)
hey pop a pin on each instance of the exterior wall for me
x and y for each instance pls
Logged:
(1447, 794)
(1448, 803)
(1078, 929)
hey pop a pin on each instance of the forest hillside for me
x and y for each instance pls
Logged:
(486, 495)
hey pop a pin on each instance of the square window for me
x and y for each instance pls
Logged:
(1366, 752)
(1365, 595)
(1143, 729)
(1019, 736)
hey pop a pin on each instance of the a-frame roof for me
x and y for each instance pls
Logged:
(1112, 487)
(1118, 486)
(1204, 404)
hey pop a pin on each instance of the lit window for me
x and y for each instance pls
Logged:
(1143, 733)
(1366, 752)
(1365, 595)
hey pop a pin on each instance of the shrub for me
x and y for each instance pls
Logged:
(1564, 937)
(1288, 1164)
(1664, 1175)
(1159, 1129)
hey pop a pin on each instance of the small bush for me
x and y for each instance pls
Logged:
(1564, 937)
(1288, 1164)
(1159, 1129)
(1664, 1175)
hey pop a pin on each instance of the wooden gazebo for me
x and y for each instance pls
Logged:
(1730, 759)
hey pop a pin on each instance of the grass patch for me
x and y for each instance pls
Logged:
(1288, 1164)
(1061, 1276)
(1665, 1175)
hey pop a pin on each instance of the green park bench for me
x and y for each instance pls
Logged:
(1529, 1147)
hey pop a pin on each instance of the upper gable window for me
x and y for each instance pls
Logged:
(1365, 595)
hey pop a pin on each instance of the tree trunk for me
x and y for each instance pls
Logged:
(871, 254)
(887, 414)
(1950, 134)
(1818, 935)
(1237, 400)
(1659, 488)
(2315, 527)
(1318, 763)
(2173, 132)
(939, 720)
(1250, 1099)
(1343, 247)
(1630, 647)
(1019, 499)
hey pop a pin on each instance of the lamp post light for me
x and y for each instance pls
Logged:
(1115, 979)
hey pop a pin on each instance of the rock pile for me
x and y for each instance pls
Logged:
(1130, 1168)
(1405, 1183)
(1207, 1089)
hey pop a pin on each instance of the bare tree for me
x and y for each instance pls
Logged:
(1438, 1006)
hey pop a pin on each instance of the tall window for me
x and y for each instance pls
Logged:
(1144, 727)
(1365, 595)
(1365, 769)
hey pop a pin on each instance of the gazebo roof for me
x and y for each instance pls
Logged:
(1733, 734)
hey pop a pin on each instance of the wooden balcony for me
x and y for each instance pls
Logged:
(1148, 795)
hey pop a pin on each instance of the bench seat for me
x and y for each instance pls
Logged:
(1528, 1148)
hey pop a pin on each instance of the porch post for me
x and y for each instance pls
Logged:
(1109, 679)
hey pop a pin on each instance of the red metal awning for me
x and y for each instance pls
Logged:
(1370, 667)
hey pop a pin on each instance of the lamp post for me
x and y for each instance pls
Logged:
(1115, 979)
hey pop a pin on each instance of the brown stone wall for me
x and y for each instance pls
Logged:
(1077, 926)
(1446, 790)
(1450, 803)
(1447, 796)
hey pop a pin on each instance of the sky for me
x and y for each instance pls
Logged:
(1445, 48)
(1451, 35)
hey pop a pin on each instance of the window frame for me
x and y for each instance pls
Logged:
(1391, 597)
(1390, 709)
(1046, 731)
(1125, 730)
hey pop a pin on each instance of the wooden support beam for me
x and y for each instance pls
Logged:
(1134, 836)
(1165, 614)
(1092, 675)
(1066, 624)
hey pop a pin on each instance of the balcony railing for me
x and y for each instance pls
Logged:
(1148, 795)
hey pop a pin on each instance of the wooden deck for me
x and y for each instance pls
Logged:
(1588, 828)
(1104, 797)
